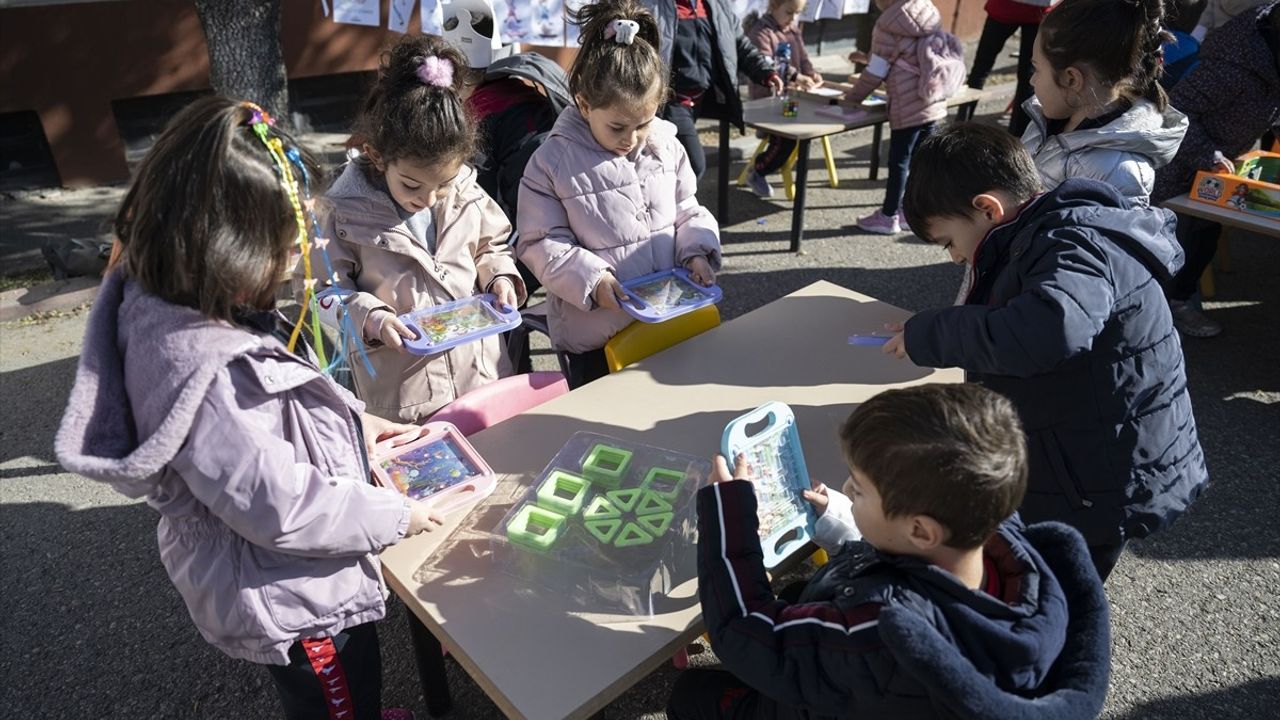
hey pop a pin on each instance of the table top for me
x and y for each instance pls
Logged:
(1184, 205)
(530, 650)
(766, 114)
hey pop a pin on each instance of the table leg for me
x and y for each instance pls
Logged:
(877, 136)
(430, 657)
(802, 179)
(965, 112)
(722, 199)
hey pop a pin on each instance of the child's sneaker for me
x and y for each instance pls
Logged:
(759, 184)
(880, 224)
(1191, 322)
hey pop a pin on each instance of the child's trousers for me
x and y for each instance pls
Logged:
(716, 694)
(338, 678)
(775, 155)
(994, 35)
(902, 143)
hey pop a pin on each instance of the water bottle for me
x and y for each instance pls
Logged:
(782, 62)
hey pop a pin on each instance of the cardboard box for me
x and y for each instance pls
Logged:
(1254, 188)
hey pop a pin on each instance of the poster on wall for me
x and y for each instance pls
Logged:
(833, 9)
(358, 12)
(401, 11)
(743, 8)
(571, 35)
(533, 22)
(433, 17)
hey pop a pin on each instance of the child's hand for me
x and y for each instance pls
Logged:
(505, 290)
(609, 292)
(720, 469)
(804, 82)
(896, 345)
(1222, 164)
(700, 270)
(775, 84)
(857, 57)
(383, 325)
(815, 81)
(818, 498)
(376, 429)
(421, 519)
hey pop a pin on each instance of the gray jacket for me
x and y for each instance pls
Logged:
(1124, 153)
(268, 527)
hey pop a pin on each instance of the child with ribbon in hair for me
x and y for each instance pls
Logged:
(408, 227)
(189, 393)
(609, 196)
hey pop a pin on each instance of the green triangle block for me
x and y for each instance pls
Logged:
(632, 535)
(624, 500)
(601, 508)
(656, 524)
(603, 530)
(652, 503)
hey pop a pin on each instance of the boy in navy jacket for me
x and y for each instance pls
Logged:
(947, 607)
(1064, 314)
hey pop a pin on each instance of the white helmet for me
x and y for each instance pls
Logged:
(470, 27)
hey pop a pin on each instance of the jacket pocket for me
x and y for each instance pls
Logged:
(298, 593)
(1048, 445)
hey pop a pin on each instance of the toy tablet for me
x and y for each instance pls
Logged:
(667, 294)
(440, 468)
(456, 323)
(779, 474)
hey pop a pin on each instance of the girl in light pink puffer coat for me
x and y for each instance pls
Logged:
(609, 196)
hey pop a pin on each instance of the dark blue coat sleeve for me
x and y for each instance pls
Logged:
(822, 657)
(1066, 299)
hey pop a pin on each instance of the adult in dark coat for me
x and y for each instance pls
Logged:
(1066, 317)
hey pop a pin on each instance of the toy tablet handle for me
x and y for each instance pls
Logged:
(417, 344)
(506, 312)
(735, 435)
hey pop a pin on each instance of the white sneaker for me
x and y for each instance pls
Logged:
(759, 185)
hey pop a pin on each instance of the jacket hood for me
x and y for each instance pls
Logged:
(573, 127)
(912, 18)
(145, 367)
(353, 183)
(1145, 233)
(538, 69)
(1143, 130)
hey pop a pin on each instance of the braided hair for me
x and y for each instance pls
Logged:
(1119, 41)
(607, 72)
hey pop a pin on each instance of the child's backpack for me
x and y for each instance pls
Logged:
(940, 65)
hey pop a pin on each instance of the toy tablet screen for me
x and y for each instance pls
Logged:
(440, 327)
(667, 293)
(425, 471)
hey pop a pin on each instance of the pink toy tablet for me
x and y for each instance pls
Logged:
(439, 468)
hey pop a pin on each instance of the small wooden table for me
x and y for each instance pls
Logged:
(766, 114)
(1184, 205)
(529, 649)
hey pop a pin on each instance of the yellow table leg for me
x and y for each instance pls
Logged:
(832, 177)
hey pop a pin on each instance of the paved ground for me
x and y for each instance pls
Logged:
(92, 628)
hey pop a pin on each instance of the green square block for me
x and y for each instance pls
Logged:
(632, 535)
(535, 528)
(656, 524)
(604, 530)
(664, 482)
(563, 492)
(651, 503)
(601, 509)
(606, 465)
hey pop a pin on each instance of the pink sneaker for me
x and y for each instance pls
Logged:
(879, 224)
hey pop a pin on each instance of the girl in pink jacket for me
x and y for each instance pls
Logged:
(410, 228)
(902, 25)
(188, 394)
(609, 196)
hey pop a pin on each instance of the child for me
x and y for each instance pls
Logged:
(1065, 316)
(948, 607)
(1004, 17)
(254, 459)
(1099, 111)
(409, 228)
(894, 54)
(768, 32)
(1231, 98)
(609, 196)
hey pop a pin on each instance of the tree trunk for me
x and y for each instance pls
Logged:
(245, 59)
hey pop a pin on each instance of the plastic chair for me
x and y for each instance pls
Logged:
(490, 404)
(788, 183)
(638, 340)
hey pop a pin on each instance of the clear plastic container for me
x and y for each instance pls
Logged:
(607, 524)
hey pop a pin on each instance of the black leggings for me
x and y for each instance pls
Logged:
(332, 677)
(994, 35)
(1199, 240)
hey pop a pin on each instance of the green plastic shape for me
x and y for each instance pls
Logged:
(663, 482)
(632, 535)
(535, 528)
(606, 465)
(625, 500)
(651, 503)
(600, 509)
(563, 492)
(604, 530)
(656, 524)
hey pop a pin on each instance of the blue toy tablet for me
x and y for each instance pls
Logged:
(456, 323)
(779, 474)
(667, 294)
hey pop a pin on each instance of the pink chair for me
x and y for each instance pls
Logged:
(491, 404)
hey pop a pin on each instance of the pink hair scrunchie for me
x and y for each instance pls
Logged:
(436, 71)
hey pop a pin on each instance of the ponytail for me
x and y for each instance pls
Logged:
(617, 67)
(1119, 41)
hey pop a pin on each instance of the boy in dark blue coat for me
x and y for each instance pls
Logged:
(1063, 314)
(948, 607)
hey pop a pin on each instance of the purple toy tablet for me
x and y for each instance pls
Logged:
(667, 294)
(439, 468)
(876, 340)
(456, 323)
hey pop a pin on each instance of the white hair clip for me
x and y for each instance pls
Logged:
(622, 31)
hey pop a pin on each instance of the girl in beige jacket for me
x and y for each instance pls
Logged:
(408, 227)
